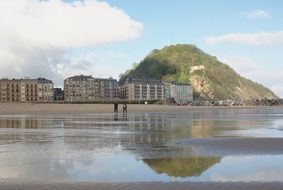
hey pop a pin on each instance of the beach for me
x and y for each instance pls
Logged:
(26, 108)
(87, 146)
(29, 108)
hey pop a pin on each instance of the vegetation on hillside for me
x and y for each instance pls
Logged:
(210, 78)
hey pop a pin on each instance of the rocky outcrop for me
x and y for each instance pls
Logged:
(251, 102)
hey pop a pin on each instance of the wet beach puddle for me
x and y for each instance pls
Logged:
(205, 145)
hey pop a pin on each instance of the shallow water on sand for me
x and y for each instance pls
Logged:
(201, 145)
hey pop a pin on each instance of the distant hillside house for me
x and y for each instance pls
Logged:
(26, 90)
(81, 88)
(181, 93)
(142, 89)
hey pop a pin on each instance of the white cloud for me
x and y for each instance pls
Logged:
(259, 175)
(35, 34)
(253, 39)
(271, 78)
(241, 64)
(278, 88)
(249, 169)
(257, 14)
(249, 68)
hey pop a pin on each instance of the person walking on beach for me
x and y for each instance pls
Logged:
(125, 108)
(116, 107)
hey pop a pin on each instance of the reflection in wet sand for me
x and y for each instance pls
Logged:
(182, 167)
(134, 147)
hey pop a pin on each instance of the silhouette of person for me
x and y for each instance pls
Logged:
(116, 116)
(116, 107)
(125, 117)
(125, 108)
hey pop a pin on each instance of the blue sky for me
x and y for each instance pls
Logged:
(246, 34)
(192, 22)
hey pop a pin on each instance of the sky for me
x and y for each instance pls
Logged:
(60, 38)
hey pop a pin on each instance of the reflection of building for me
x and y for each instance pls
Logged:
(26, 90)
(140, 133)
(153, 130)
(25, 122)
(83, 88)
(147, 136)
(181, 93)
(143, 89)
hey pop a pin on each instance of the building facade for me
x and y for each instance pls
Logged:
(26, 90)
(143, 89)
(44, 89)
(79, 88)
(180, 93)
(83, 88)
(107, 89)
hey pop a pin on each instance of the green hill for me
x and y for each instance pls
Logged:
(211, 79)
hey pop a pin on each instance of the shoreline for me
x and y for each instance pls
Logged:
(9, 185)
(31, 108)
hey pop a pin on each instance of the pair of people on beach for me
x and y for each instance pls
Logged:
(125, 110)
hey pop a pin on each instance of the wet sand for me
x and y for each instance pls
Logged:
(4, 185)
(235, 146)
(28, 108)
(207, 146)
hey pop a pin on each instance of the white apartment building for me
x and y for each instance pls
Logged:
(181, 93)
